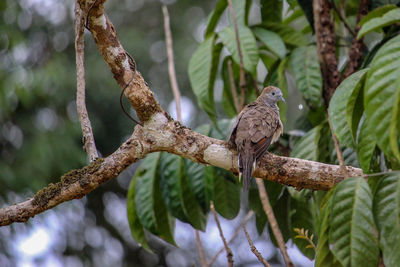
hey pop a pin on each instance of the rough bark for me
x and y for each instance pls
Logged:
(159, 133)
(356, 50)
(326, 45)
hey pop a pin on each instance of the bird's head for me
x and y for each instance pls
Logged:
(271, 95)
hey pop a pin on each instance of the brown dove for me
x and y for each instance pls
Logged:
(258, 125)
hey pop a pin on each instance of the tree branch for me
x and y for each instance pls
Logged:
(200, 249)
(272, 221)
(326, 45)
(171, 64)
(229, 254)
(87, 133)
(254, 249)
(242, 78)
(160, 133)
(356, 50)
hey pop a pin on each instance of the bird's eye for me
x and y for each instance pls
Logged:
(273, 93)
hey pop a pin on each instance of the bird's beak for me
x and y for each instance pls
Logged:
(283, 99)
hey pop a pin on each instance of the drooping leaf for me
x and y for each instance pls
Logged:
(339, 105)
(199, 184)
(307, 74)
(248, 46)
(387, 216)
(390, 17)
(214, 17)
(324, 255)
(366, 144)
(395, 125)
(282, 214)
(202, 72)
(307, 146)
(380, 91)
(271, 40)
(226, 193)
(288, 34)
(150, 207)
(352, 235)
(271, 10)
(136, 227)
(307, 7)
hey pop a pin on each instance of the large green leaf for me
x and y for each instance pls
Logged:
(202, 72)
(177, 193)
(324, 255)
(339, 105)
(352, 235)
(288, 34)
(390, 17)
(282, 214)
(381, 89)
(150, 207)
(366, 144)
(395, 124)
(214, 17)
(239, 6)
(226, 192)
(307, 74)
(378, 12)
(171, 171)
(271, 40)
(307, 146)
(136, 227)
(387, 216)
(248, 46)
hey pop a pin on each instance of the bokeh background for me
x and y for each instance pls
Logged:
(40, 137)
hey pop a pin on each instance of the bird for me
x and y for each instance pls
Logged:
(257, 126)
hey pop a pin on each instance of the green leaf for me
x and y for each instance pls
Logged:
(239, 6)
(378, 12)
(136, 227)
(199, 184)
(339, 105)
(390, 17)
(387, 216)
(248, 46)
(149, 203)
(288, 34)
(324, 255)
(227, 101)
(226, 193)
(307, 146)
(282, 215)
(395, 125)
(307, 74)
(214, 17)
(202, 72)
(271, 10)
(171, 171)
(353, 235)
(271, 40)
(177, 193)
(380, 90)
(366, 144)
(307, 7)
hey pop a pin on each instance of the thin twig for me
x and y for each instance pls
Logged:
(343, 19)
(235, 234)
(229, 254)
(242, 79)
(339, 153)
(254, 249)
(272, 220)
(87, 132)
(255, 85)
(171, 63)
(233, 87)
(200, 249)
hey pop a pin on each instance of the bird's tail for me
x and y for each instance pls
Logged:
(246, 168)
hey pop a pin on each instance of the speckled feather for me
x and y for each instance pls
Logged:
(257, 126)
